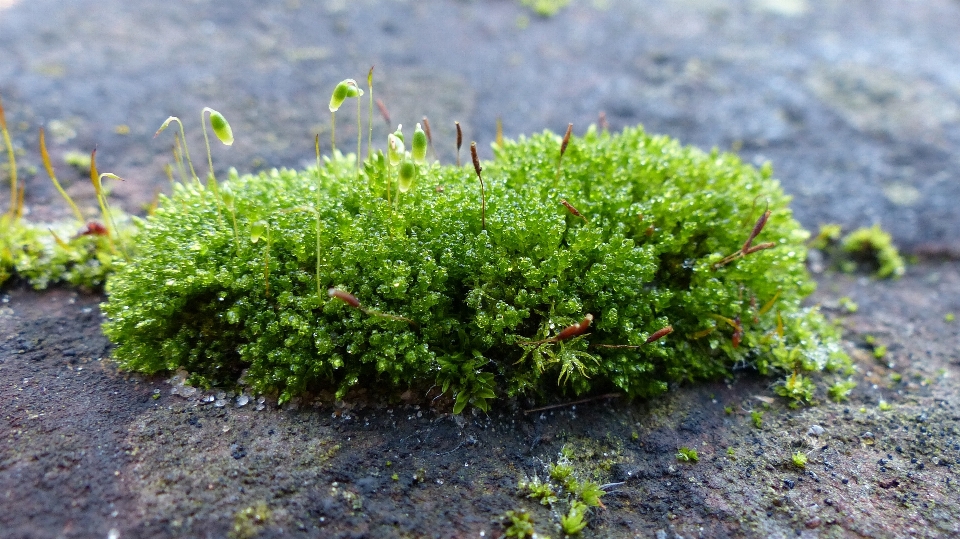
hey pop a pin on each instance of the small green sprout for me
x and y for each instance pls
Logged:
(573, 522)
(880, 352)
(539, 490)
(562, 473)
(45, 156)
(521, 524)
(590, 493)
(848, 304)
(756, 417)
(728, 410)
(731, 452)
(797, 388)
(799, 459)
(840, 391)
(12, 160)
(896, 377)
(685, 454)
(885, 406)
(949, 317)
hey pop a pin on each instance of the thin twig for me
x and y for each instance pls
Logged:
(574, 403)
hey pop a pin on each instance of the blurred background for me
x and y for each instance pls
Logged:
(856, 102)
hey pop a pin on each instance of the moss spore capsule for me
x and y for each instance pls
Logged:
(220, 127)
(395, 146)
(483, 197)
(459, 141)
(345, 297)
(407, 174)
(418, 148)
(345, 89)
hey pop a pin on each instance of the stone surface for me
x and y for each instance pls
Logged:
(855, 102)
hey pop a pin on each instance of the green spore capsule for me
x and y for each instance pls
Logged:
(419, 146)
(395, 146)
(408, 173)
(347, 88)
(221, 128)
(257, 230)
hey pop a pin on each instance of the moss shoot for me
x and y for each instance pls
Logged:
(641, 264)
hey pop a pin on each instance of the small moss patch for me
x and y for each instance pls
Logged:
(639, 264)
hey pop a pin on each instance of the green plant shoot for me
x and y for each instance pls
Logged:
(14, 195)
(45, 156)
(183, 138)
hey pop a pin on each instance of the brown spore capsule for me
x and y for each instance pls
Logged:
(345, 297)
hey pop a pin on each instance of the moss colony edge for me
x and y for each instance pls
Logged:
(331, 278)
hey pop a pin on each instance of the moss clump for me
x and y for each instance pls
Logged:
(478, 302)
(875, 247)
(248, 522)
(869, 249)
(685, 454)
(564, 487)
(44, 254)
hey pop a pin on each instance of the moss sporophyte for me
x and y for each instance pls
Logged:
(638, 264)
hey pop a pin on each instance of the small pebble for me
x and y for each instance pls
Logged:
(815, 430)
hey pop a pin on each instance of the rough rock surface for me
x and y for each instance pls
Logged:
(857, 103)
